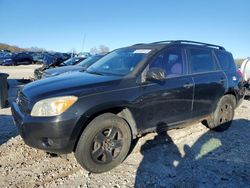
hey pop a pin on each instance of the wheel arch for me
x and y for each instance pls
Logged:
(121, 111)
(234, 96)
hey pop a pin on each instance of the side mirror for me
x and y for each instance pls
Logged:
(156, 74)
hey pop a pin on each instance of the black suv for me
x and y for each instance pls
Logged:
(22, 58)
(129, 92)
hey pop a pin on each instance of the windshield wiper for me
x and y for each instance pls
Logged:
(94, 72)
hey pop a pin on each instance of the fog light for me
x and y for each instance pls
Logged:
(46, 142)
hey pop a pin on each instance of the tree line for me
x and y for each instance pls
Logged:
(13, 48)
(95, 50)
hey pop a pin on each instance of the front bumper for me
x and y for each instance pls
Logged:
(8, 63)
(53, 134)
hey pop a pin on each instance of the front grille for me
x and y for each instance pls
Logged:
(38, 74)
(23, 103)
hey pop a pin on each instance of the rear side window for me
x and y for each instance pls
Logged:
(201, 60)
(226, 61)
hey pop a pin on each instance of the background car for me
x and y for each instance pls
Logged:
(4, 55)
(81, 66)
(15, 59)
(4, 51)
(37, 57)
(52, 61)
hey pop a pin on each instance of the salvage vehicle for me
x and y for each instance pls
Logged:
(5, 51)
(81, 66)
(4, 55)
(38, 57)
(52, 61)
(129, 92)
(15, 59)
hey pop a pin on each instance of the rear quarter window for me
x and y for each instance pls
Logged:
(226, 61)
(201, 60)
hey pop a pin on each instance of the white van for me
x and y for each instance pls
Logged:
(245, 69)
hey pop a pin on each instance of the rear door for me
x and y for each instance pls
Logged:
(23, 59)
(227, 64)
(210, 81)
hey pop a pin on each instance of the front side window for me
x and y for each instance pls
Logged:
(119, 62)
(171, 61)
(201, 60)
(19, 55)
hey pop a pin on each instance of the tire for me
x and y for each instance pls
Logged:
(3, 92)
(222, 117)
(104, 143)
(2, 102)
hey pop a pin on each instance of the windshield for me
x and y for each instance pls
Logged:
(5, 55)
(89, 61)
(119, 62)
(48, 59)
(72, 61)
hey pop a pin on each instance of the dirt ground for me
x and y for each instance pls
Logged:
(192, 156)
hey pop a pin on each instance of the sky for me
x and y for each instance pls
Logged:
(63, 25)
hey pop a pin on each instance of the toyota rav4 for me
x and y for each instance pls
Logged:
(127, 93)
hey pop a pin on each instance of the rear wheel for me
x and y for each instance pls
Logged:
(222, 118)
(104, 143)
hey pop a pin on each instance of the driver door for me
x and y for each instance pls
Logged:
(167, 102)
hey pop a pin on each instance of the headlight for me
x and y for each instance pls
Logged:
(55, 74)
(46, 75)
(53, 106)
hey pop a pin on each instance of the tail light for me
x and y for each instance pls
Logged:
(240, 73)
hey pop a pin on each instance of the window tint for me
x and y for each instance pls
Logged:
(119, 62)
(226, 61)
(201, 60)
(171, 61)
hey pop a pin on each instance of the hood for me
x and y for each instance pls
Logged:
(77, 84)
(60, 70)
(49, 64)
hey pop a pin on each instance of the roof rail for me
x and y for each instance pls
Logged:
(190, 42)
(138, 44)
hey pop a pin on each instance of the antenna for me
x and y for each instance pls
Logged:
(83, 41)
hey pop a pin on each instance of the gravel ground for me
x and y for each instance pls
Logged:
(19, 72)
(192, 156)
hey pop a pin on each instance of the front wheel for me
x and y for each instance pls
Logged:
(222, 118)
(104, 143)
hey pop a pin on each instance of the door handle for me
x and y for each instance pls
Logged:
(222, 80)
(188, 85)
